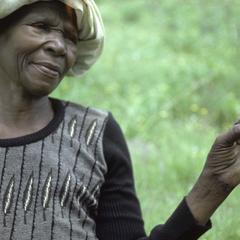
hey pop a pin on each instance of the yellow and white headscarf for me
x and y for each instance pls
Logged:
(90, 27)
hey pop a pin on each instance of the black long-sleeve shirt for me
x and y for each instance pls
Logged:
(119, 215)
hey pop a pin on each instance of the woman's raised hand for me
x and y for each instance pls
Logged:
(221, 173)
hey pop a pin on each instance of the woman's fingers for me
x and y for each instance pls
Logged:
(230, 137)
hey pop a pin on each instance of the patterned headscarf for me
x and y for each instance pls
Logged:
(90, 27)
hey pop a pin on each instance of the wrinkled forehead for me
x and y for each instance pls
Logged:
(13, 12)
(51, 9)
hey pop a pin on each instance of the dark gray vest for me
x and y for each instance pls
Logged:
(49, 189)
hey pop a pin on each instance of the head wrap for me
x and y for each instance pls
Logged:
(90, 29)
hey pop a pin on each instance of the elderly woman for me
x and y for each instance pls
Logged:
(65, 171)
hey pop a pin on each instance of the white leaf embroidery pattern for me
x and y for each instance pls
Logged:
(8, 198)
(65, 190)
(90, 132)
(72, 126)
(46, 193)
(86, 198)
(28, 196)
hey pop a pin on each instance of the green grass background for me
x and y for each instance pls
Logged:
(170, 75)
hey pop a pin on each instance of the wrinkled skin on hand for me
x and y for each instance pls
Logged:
(221, 173)
(223, 161)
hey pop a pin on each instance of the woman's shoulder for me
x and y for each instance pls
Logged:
(88, 112)
(90, 122)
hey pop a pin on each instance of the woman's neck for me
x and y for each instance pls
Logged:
(21, 115)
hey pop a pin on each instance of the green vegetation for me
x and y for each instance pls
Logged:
(169, 74)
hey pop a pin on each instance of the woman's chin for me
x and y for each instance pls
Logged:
(39, 89)
(39, 86)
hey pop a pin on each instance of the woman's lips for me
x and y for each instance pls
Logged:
(48, 69)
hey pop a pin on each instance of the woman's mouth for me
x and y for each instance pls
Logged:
(48, 69)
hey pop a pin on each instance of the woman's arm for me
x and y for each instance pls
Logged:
(119, 215)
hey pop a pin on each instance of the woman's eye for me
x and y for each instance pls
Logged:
(42, 26)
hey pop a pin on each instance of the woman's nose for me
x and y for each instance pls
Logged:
(56, 45)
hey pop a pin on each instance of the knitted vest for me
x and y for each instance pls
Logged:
(50, 181)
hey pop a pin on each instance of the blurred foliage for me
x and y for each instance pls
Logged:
(175, 58)
(170, 75)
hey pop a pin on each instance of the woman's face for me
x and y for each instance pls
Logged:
(39, 49)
